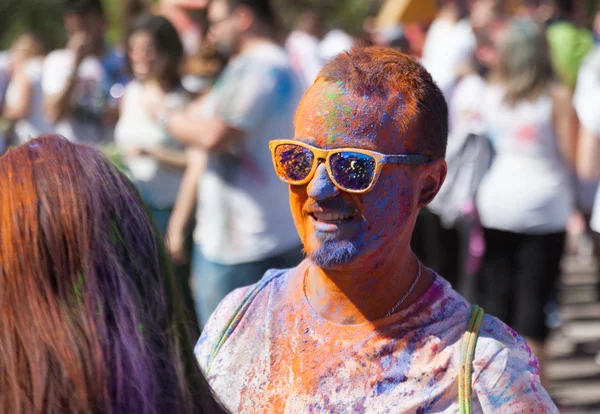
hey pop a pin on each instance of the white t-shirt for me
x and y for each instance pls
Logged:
(447, 47)
(528, 188)
(464, 119)
(35, 123)
(464, 108)
(243, 208)
(85, 121)
(158, 183)
(283, 357)
(587, 105)
(335, 42)
(303, 50)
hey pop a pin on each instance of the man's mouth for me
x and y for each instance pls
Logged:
(332, 218)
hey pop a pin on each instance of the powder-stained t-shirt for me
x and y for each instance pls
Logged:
(285, 358)
(243, 210)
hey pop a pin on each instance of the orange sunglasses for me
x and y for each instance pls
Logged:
(352, 170)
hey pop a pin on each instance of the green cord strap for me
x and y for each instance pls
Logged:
(468, 354)
(238, 315)
(232, 324)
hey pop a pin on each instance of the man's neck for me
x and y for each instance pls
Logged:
(361, 295)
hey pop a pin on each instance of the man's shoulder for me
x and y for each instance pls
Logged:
(506, 373)
(233, 308)
(238, 296)
(495, 336)
(501, 352)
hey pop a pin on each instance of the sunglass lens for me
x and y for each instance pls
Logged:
(293, 162)
(352, 170)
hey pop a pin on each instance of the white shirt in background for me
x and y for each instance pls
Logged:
(243, 208)
(528, 188)
(158, 183)
(448, 46)
(464, 108)
(85, 121)
(303, 51)
(587, 104)
(334, 43)
(35, 123)
(464, 120)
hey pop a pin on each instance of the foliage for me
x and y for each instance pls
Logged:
(344, 14)
(44, 17)
(40, 16)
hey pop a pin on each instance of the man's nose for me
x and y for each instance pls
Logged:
(321, 186)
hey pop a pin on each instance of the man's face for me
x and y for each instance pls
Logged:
(91, 25)
(223, 28)
(340, 229)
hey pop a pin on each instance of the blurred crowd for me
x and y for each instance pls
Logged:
(189, 117)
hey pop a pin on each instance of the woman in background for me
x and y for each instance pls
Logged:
(527, 197)
(155, 160)
(90, 319)
(24, 97)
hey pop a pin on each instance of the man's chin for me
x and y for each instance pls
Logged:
(334, 254)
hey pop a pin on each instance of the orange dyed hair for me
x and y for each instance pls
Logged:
(90, 319)
(395, 79)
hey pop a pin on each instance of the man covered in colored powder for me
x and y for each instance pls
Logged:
(361, 326)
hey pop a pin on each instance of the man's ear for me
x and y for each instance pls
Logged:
(432, 178)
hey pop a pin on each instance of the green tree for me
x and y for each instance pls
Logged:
(44, 18)
(344, 14)
(40, 16)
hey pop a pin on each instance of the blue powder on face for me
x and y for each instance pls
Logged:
(332, 253)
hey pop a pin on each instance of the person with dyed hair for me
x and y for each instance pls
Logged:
(361, 325)
(90, 320)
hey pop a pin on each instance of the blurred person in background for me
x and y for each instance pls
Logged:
(569, 43)
(24, 103)
(527, 197)
(90, 318)
(451, 241)
(448, 45)
(244, 226)
(202, 68)
(450, 219)
(155, 160)
(302, 46)
(77, 81)
(587, 104)
(391, 36)
(450, 41)
(335, 42)
(188, 17)
(584, 101)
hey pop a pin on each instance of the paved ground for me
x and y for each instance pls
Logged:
(574, 373)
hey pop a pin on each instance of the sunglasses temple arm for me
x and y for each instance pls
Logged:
(416, 159)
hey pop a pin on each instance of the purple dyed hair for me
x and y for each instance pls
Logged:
(90, 318)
